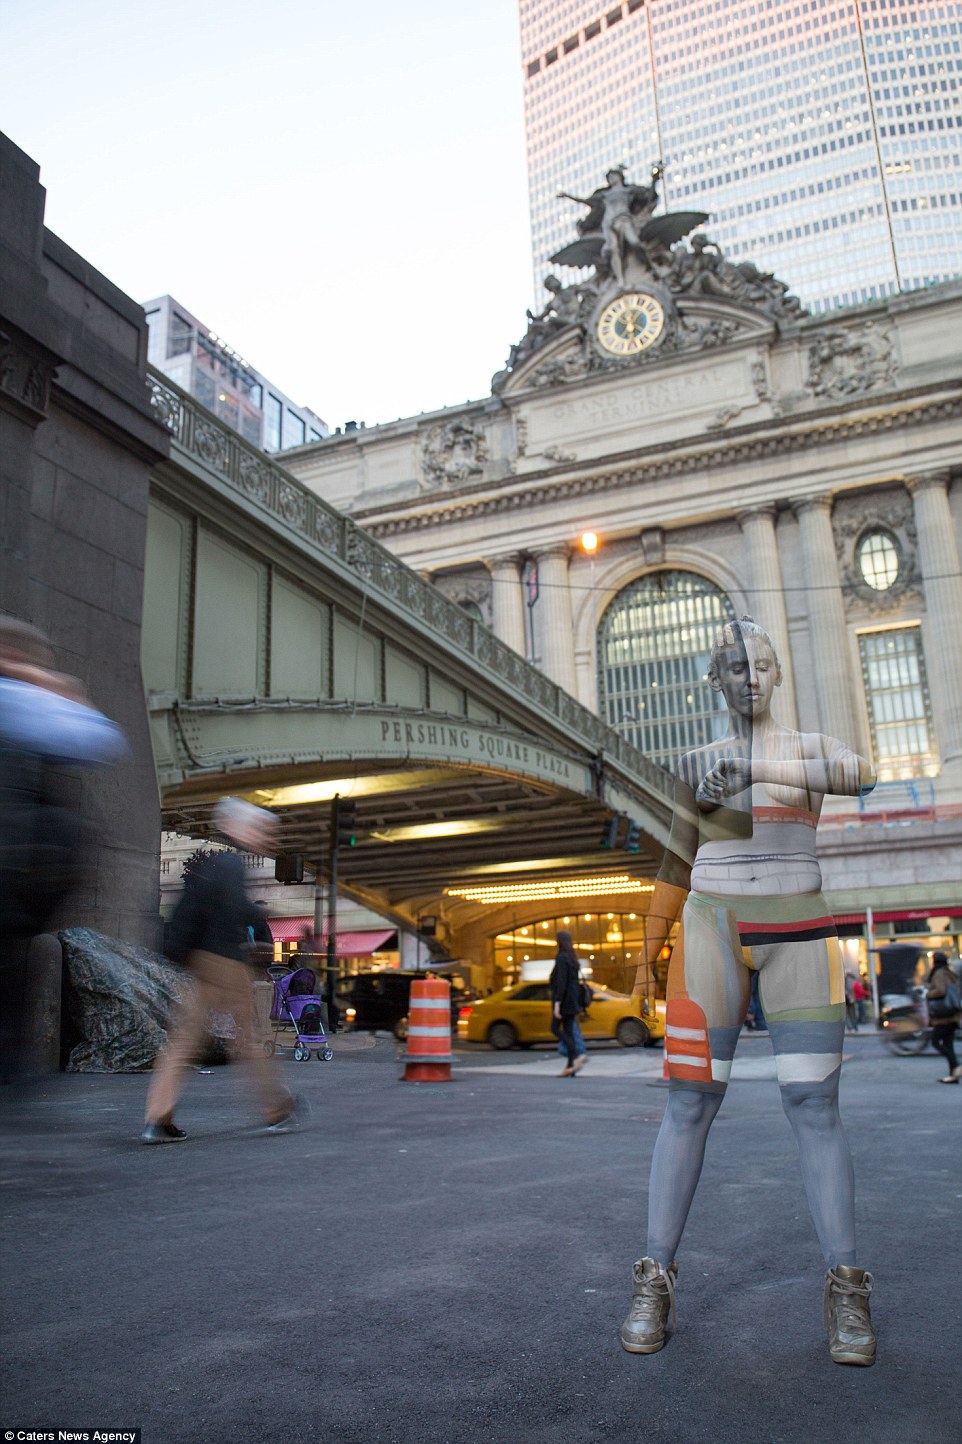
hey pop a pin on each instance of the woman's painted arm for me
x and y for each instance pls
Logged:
(674, 879)
(834, 769)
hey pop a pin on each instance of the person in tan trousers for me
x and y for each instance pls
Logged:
(214, 917)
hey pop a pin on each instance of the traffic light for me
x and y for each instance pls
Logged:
(290, 868)
(609, 838)
(632, 842)
(343, 814)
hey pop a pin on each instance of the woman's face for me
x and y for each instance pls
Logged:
(746, 675)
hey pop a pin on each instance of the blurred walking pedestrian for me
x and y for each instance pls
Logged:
(851, 1004)
(945, 1012)
(755, 1017)
(47, 724)
(579, 1040)
(566, 1002)
(210, 927)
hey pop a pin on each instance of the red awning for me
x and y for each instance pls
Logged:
(951, 910)
(349, 945)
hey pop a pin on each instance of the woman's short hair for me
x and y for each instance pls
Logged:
(732, 635)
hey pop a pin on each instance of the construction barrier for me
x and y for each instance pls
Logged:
(428, 1058)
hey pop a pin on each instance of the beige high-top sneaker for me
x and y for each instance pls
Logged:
(848, 1317)
(652, 1299)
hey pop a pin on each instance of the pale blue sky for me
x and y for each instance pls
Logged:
(338, 189)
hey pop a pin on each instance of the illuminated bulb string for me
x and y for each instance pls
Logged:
(547, 892)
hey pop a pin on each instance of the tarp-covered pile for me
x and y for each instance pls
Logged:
(121, 1000)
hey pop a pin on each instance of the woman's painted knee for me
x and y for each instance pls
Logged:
(814, 1107)
(692, 1108)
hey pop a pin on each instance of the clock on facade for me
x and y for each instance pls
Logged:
(630, 323)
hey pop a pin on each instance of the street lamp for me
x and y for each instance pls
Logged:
(589, 545)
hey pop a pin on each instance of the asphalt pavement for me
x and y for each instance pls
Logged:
(448, 1262)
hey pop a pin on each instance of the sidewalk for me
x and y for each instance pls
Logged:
(450, 1263)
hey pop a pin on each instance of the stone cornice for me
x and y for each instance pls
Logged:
(560, 551)
(504, 561)
(793, 437)
(935, 480)
(821, 502)
(766, 512)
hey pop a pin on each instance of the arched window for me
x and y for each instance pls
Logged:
(654, 641)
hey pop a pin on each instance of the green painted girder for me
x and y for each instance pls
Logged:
(284, 648)
(216, 478)
(195, 737)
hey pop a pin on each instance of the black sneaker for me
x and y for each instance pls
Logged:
(162, 1133)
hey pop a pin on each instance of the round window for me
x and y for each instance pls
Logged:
(878, 560)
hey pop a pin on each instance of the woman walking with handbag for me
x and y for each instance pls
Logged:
(566, 1002)
(945, 1012)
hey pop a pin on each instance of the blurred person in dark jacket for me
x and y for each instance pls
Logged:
(566, 1002)
(47, 724)
(941, 995)
(210, 932)
(260, 928)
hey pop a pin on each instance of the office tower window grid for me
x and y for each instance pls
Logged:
(202, 362)
(824, 137)
(272, 423)
(591, 108)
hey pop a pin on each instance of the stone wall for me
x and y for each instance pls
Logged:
(77, 442)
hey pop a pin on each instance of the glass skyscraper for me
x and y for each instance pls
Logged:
(824, 137)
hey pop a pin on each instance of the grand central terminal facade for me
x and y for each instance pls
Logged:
(674, 443)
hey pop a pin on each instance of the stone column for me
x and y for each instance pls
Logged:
(828, 629)
(767, 594)
(507, 602)
(554, 600)
(939, 562)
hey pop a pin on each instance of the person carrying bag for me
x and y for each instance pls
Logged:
(566, 1004)
(944, 999)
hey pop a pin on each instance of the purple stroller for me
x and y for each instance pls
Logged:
(296, 1005)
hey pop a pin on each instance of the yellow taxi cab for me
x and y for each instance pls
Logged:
(520, 1016)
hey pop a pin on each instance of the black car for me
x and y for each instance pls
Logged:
(373, 1001)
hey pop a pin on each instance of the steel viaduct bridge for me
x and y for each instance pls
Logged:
(288, 656)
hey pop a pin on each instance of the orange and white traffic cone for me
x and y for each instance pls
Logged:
(428, 1058)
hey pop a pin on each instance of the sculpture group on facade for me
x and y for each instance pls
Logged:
(631, 250)
(618, 228)
(847, 362)
(453, 452)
